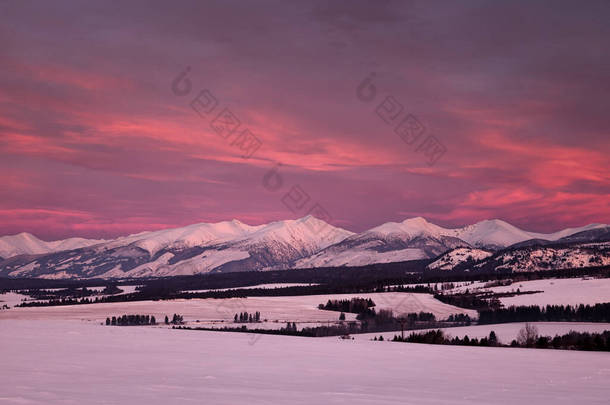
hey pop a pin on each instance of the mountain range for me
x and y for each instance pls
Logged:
(302, 243)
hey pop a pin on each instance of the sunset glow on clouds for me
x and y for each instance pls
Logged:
(94, 143)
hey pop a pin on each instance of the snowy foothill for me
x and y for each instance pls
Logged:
(85, 363)
(554, 291)
(564, 291)
(263, 286)
(291, 308)
(13, 298)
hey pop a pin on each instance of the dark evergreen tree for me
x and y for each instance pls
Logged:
(493, 339)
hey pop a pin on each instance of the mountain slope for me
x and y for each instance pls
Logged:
(25, 243)
(496, 234)
(456, 257)
(200, 248)
(416, 238)
(540, 258)
(411, 239)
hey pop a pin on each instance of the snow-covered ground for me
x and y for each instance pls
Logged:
(566, 291)
(283, 309)
(505, 332)
(72, 362)
(12, 298)
(15, 298)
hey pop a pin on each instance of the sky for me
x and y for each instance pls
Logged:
(120, 117)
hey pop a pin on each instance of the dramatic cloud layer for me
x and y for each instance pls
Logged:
(95, 142)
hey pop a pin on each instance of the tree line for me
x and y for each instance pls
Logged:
(131, 320)
(134, 320)
(550, 313)
(245, 317)
(355, 305)
(528, 338)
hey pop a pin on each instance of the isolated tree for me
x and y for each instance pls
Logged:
(166, 320)
(107, 321)
(235, 318)
(527, 335)
(153, 321)
(493, 339)
(342, 316)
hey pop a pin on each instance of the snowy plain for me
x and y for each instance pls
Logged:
(85, 363)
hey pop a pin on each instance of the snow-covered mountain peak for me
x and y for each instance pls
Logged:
(412, 227)
(492, 232)
(308, 230)
(188, 236)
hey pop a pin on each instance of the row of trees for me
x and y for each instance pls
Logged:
(290, 327)
(59, 302)
(550, 313)
(130, 320)
(461, 318)
(244, 317)
(528, 337)
(176, 320)
(354, 305)
(470, 300)
(438, 337)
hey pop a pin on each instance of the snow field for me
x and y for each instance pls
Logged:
(60, 362)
